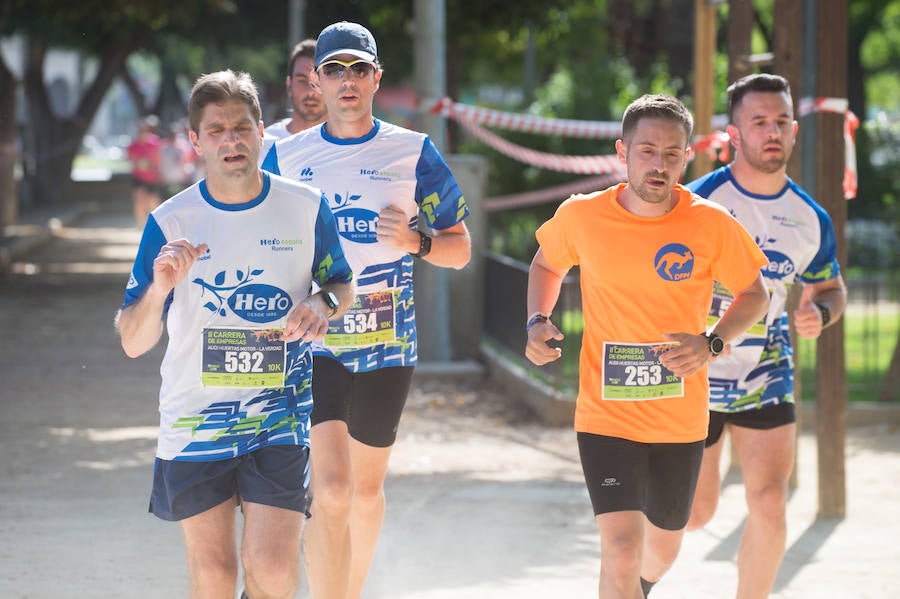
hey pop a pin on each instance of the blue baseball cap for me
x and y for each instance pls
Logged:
(345, 38)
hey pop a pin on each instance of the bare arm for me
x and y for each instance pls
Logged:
(544, 284)
(140, 324)
(748, 307)
(450, 248)
(831, 294)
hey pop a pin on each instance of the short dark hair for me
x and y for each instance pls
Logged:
(221, 86)
(657, 106)
(757, 82)
(305, 49)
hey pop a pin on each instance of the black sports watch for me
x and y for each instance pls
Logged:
(715, 343)
(826, 314)
(331, 301)
(424, 245)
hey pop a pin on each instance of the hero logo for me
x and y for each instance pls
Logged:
(357, 224)
(779, 266)
(674, 262)
(260, 303)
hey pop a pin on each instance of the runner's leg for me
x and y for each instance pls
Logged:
(621, 542)
(211, 551)
(767, 457)
(270, 551)
(706, 497)
(326, 542)
(369, 469)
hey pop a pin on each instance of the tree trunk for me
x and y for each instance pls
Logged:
(9, 200)
(55, 141)
(890, 387)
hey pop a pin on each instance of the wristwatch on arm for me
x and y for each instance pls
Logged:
(716, 344)
(424, 245)
(826, 313)
(331, 301)
(534, 319)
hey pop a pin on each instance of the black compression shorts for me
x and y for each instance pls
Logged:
(657, 479)
(369, 402)
(762, 419)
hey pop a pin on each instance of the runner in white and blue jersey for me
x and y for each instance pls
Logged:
(307, 107)
(382, 182)
(752, 387)
(227, 267)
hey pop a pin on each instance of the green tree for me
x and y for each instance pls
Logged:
(107, 31)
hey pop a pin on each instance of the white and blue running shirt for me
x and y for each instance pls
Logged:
(272, 133)
(797, 236)
(279, 129)
(389, 166)
(263, 257)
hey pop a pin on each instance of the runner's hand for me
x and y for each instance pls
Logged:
(174, 261)
(308, 321)
(393, 229)
(689, 356)
(536, 349)
(808, 320)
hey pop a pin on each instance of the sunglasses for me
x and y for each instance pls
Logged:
(334, 69)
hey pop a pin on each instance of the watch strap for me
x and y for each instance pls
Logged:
(536, 318)
(331, 301)
(424, 245)
(826, 313)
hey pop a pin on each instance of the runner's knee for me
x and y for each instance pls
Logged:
(270, 575)
(769, 501)
(702, 510)
(332, 497)
(211, 571)
(621, 557)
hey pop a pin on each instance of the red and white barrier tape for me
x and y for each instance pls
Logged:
(582, 165)
(851, 124)
(716, 143)
(526, 122)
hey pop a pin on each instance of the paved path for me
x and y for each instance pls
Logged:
(483, 503)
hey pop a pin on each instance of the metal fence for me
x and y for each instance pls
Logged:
(873, 312)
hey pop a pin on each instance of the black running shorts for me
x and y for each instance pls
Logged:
(762, 419)
(657, 479)
(369, 402)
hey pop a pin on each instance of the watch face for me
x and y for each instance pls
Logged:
(716, 345)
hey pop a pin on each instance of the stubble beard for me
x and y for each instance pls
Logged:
(650, 195)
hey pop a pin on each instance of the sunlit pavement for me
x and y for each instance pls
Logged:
(478, 507)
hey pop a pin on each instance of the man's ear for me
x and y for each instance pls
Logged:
(733, 136)
(195, 142)
(621, 150)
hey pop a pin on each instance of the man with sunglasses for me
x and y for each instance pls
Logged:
(378, 178)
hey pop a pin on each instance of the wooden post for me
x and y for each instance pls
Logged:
(831, 379)
(704, 77)
(788, 50)
(788, 42)
(740, 28)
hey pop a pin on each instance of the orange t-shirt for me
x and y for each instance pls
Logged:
(642, 277)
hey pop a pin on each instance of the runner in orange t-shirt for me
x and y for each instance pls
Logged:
(648, 252)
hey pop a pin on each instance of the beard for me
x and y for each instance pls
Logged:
(653, 195)
(766, 165)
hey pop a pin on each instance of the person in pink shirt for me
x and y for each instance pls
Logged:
(144, 154)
